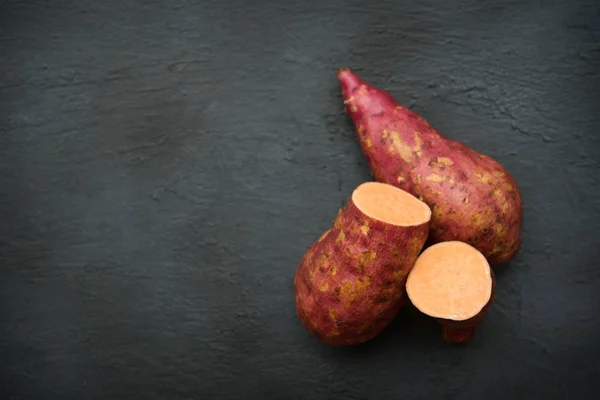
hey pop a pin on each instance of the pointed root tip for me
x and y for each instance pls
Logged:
(348, 79)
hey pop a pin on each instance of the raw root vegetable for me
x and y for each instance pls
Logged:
(350, 284)
(472, 197)
(452, 282)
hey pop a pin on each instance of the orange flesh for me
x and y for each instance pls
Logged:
(450, 280)
(389, 204)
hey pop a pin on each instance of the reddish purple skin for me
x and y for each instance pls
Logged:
(463, 331)
(351, 282)
(472, 197)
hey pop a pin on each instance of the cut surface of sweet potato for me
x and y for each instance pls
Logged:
(450, 280)
(389, 204)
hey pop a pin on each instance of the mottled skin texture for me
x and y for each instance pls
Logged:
(463, 331)
(350, 284)
(472, 197)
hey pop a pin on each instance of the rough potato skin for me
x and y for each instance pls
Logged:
(463, 331)
(472, 197)
(350, 283)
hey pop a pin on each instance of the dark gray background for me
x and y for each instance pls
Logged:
(164, 165)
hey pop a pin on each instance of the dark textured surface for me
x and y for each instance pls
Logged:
(164, 165)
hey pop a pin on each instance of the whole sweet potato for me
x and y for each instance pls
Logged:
(350, 283)
(472, 197)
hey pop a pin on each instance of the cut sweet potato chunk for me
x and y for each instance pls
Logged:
(452, 282)
(350, 283)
